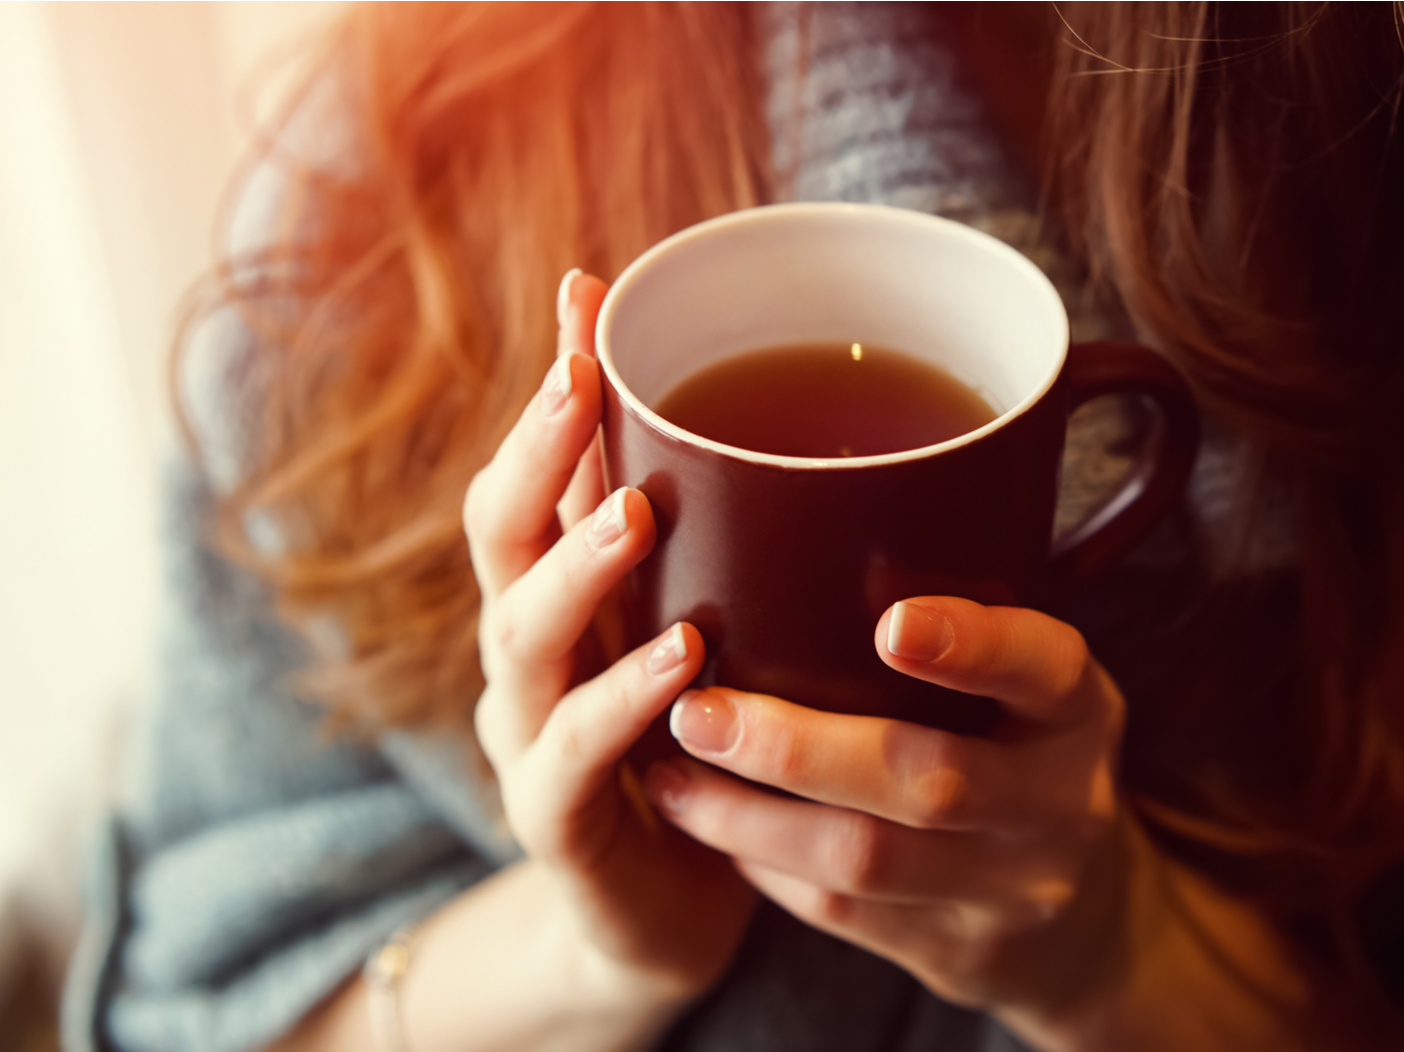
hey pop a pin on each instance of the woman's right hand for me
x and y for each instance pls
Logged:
(651, 908)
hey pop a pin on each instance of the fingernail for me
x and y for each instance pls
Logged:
(669, 653)
(666, 784)
(555, 389)
(916, 633)
(609, 522)
(705, 722)
(563, 295)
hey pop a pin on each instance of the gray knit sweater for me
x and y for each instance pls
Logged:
(255, 862)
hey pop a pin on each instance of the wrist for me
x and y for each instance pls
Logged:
(620, 997)
(507, 965)
(612, 992)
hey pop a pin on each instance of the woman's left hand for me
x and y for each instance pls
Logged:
(990, 869)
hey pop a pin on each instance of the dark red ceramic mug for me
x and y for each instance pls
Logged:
(786, 563)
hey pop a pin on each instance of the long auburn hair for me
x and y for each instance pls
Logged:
(1234, 170)
(1230, 170)
(402, 307)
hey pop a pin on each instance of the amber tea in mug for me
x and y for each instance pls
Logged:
(824, 399)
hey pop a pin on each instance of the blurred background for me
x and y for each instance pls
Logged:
(120, 124)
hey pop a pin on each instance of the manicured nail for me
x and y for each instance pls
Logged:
(669, 653)
(916, 633)
(609, 522)
(705, 722)
(555, 389)
(666, 784)
(563, 295)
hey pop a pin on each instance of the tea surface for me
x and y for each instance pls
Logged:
(826, 400)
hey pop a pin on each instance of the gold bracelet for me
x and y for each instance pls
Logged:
(384, 971)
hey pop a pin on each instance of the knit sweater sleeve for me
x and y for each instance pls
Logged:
(254, 861)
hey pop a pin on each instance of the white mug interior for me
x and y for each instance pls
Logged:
(788, 274)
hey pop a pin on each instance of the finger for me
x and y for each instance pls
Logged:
(919, 777)
(510, 510)
(900, 933)
(842, 851)
(529, 634)
(593, 726)
(577, 307)
(586, 489)
(1038, 667)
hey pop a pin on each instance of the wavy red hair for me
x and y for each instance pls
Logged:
(403, 300)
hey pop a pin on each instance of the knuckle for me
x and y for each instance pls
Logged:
(476, 508)
(831, 909)
(930, 771)
(938, 797)
(1073, 662)
(858, 854)
(486, 725)
(487, 622)
(501, 635)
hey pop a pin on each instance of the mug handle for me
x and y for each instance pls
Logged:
(1157, 478)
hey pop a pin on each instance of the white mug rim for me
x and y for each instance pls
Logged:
(762, 213)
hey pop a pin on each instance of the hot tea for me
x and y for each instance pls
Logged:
(825, 400)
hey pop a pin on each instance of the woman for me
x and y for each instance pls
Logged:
(1201, 849)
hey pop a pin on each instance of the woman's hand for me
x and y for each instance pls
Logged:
(955, 857)
(653, 910)
(1000, 872)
